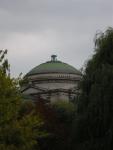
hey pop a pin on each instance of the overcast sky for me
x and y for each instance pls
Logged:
(33, 30)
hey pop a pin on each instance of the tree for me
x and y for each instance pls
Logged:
(93, 126)
(57, 118)
(18, 130)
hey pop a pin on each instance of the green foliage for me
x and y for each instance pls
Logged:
(93, 126)
(18, 129)
(57, 122)
(4, 66)
(65, 111)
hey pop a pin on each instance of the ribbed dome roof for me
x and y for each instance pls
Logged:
(53, 66)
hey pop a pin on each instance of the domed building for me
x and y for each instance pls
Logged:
(52, 81)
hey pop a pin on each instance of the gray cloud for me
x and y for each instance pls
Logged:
(32, 30)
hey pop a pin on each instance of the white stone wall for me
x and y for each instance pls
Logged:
(52, 82)
(54, 76)
(57, 85)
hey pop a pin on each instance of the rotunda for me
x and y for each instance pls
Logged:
(52, 81)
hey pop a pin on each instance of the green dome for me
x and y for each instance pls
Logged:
(53, 66)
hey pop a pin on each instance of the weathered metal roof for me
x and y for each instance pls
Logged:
(53, 67)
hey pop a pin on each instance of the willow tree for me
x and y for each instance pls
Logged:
(93, 127)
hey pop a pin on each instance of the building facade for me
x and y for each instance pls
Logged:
(52, 81)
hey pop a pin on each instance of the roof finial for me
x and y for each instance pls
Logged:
(54, 58)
